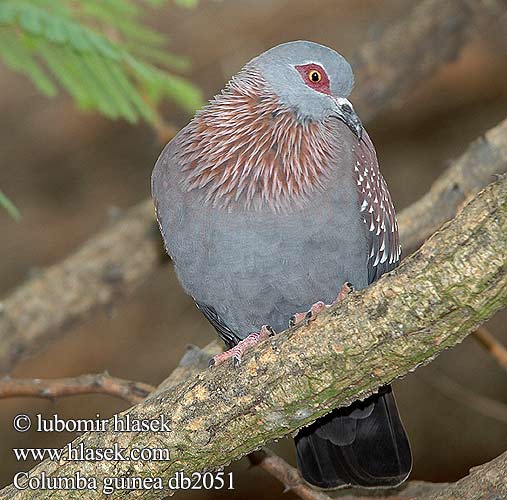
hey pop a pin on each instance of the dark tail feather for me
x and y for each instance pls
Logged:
(362, 445)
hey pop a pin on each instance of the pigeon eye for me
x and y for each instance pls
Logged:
(314, 76)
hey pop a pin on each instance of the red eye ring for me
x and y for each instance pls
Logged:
(315, 76)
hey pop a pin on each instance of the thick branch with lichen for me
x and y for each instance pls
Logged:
(456, 281)
(116, 261)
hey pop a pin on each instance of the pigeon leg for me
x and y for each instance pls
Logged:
(239, 349)
(319, 306)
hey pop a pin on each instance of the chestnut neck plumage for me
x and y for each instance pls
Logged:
(246, 148)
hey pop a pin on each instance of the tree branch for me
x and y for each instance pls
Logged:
(484, 159)
(463, 396)
(495, 348)
(456, 281)
(286, 474)
(389, 68)
(104, 270)
(100, 383)
(193, 361)
(116, 261)
(488, 481)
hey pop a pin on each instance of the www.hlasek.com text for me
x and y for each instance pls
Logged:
(79, 452)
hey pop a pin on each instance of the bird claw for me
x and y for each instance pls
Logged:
(236, 353)
(319, 306)
(346, 289)
(296, 318)
(314, 311)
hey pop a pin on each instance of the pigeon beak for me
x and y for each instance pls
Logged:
(344, 111)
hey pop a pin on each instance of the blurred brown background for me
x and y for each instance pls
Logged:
(67, 170)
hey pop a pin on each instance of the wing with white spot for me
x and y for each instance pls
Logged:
(377, 211)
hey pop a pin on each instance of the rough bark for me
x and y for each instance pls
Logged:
(116, 261)
(456, 281)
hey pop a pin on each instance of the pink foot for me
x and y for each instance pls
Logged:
(319, 306)
(345, 290)
(239, 349)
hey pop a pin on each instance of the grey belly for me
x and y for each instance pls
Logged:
(260, 268)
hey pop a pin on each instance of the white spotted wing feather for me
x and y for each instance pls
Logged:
(377, 211)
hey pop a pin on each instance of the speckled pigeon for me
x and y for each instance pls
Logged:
(270, 202)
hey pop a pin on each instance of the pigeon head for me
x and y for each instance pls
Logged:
(269, 139)
(311, 80)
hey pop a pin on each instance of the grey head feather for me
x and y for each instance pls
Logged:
(278, 67)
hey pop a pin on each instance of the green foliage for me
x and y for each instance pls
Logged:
(98, 51)
(9, 206)
(187, 3)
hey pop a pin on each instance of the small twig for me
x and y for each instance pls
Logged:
(286, 474)
(497, 350)
(101, 383)
(163, 129)
(481, 404)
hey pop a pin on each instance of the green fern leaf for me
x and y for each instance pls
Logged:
(19, 57)
(64, 41)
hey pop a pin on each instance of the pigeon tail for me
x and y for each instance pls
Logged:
(363, 445)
